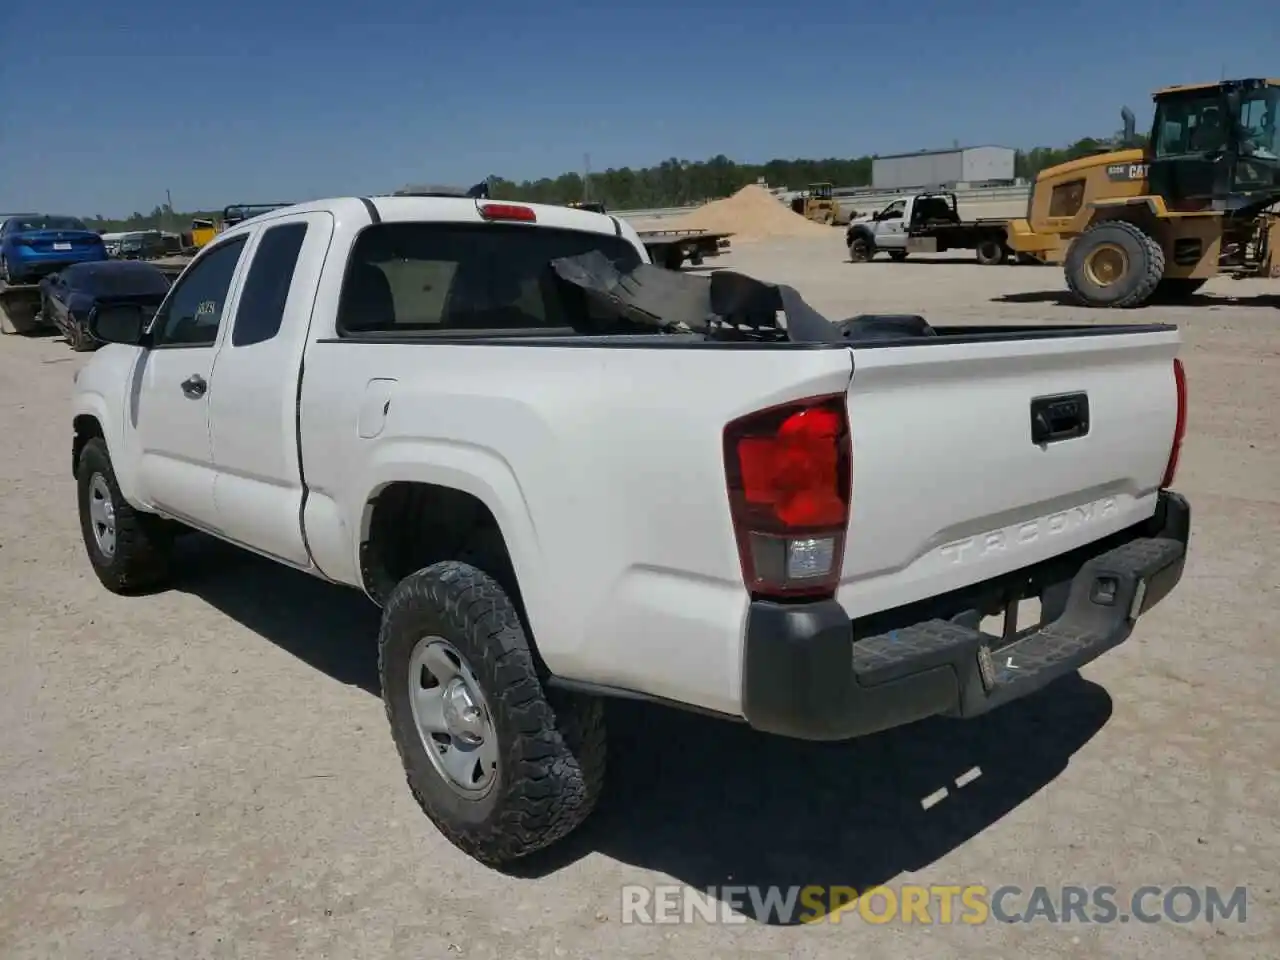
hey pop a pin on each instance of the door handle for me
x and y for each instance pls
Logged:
(1059, 418)
(194, 386)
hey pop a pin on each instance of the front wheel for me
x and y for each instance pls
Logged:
(78, 335)
(502, 766)
(128, 549)
(1114, 264)
(860, 250)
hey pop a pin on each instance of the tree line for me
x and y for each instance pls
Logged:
(672, 183)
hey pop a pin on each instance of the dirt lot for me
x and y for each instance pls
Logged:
(207, 772)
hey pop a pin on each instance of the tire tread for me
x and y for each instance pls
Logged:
(141, 558)
(553, 760)
(1145, 286)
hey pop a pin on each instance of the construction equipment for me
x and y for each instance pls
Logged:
(817, 203)
(1152, 224)
(202, 231)
(240, 212)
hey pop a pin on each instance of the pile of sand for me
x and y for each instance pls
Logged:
(753, 213)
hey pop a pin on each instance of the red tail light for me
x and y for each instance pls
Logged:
(1180, 425)
(789, 471)
(508, 211)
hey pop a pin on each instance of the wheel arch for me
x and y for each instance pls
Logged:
(85, 427)
(467, 498)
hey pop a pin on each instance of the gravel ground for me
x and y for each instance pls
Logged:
(206, 772)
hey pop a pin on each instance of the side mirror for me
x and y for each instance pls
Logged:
(122, 323)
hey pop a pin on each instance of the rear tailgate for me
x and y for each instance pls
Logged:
(949, 488)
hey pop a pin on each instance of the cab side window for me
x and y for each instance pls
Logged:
(266, 288)
(894, 210)
(194, 309)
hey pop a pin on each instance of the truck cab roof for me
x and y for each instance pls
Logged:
(451, 209)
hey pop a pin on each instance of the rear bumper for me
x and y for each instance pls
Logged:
(810, 673)
(33, 266)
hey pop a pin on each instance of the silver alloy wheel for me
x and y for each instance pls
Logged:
(102, 515)
(452, 717)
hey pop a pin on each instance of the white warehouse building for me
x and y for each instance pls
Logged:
(937, 168)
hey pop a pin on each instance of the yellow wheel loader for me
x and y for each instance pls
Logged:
(818, 204)
(1152, 224)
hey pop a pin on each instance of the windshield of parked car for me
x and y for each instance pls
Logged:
(414, 277)
(48, 223)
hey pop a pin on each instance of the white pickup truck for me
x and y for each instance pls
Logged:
(927, 223)
(564, 474)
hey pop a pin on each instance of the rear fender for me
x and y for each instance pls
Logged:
(469, 469)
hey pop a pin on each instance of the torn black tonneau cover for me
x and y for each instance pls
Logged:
(721, 304)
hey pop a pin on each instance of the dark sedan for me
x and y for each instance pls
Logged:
(69, 297)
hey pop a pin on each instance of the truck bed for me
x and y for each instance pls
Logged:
(985, 227)
(680, 234)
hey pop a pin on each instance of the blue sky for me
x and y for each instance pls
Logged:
(263, 100)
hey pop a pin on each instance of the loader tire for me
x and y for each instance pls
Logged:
(1114, 264)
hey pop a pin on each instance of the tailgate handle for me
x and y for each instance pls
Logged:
(1059, 418)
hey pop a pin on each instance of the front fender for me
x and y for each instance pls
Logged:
(102, 392)
(860, 230)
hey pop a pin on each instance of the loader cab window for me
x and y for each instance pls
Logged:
(1259, 135)
(1191, 125)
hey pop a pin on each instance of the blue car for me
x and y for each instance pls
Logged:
(34, 245)
(69, 298)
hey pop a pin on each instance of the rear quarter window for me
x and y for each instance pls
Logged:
(266, 289)
(427, 277)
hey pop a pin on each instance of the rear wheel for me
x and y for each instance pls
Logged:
(991, 253)
(501, 765)
(1114, 264)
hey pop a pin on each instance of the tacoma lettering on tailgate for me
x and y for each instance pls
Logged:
(1024, 534)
